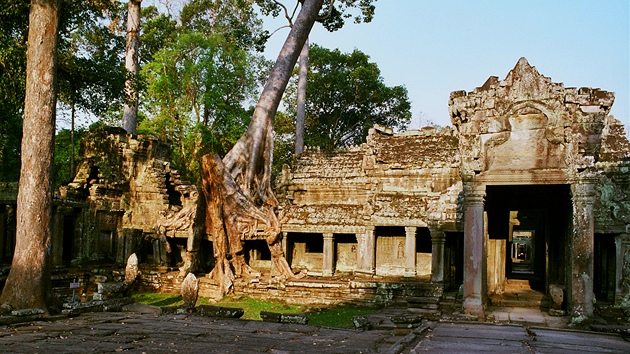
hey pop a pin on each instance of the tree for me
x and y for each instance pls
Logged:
(90, 74)
(333, 19)
(347, 96)
(237, 188)
(28, 282)
(200, 82)
(130, 117)
(88, 66)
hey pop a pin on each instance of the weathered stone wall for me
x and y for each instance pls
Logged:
(125, 182)
(527, 122)
(526, 130)
(392, 180)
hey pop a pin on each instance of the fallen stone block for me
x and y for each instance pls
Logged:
(5, 309)
(270, 316)
(8, 320)
(116, 305)
(95, 306)
(407, 319)
(294, 318)
(361, 322)
(222, 312)
(27, 312)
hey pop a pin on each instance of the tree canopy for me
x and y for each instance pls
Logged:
(347, 96)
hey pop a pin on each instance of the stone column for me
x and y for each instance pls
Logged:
(474, 250)
(581, 257)
(285, 246)
(329, 255)
(410, 251)
(365, 255)
(56, 242)
(438, 238)
(622, 278)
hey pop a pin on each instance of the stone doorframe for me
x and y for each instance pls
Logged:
(580, 261)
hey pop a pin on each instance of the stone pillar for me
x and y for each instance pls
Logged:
(285, 247)
(474, 250)
(56, 242)
(365, 255)
(410, 251)
(582, 246)
(622, 279)
(285, 243)
(438, 238)
(329, 255)
(129, 241)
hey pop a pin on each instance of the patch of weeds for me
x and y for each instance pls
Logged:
(252, 307)
(157, 299)
(338, 317)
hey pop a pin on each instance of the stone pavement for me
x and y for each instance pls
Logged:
(103, 332)
(476, 337)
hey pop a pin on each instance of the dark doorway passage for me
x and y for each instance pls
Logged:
(534, 222)
(605, 259)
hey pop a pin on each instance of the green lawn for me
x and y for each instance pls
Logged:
(340, 317)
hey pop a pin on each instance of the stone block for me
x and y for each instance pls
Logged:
(190, 290)
(27, 312)
(270, 316)
(221, 312)
(294, 318)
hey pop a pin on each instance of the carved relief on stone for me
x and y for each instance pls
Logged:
(524, 145)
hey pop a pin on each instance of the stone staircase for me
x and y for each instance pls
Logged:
(427, 306)
(518, 293)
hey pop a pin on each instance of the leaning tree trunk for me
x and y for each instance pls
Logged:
(28, 283)
(130, 115)
(238, 187)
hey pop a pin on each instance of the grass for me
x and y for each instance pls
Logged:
(338, 317)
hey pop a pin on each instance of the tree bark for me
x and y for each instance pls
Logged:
(301, 100)
(28, 283)
(72, 116)
(238, 187)
(130, 116)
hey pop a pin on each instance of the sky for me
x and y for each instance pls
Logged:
(439, 46)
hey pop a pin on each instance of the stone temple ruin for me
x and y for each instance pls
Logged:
(532, 181)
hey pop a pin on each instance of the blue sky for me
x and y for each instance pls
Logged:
(435, 47)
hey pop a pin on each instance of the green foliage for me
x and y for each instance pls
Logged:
(283, 143)
(346, 97)
(89, 62)
(200, 81)
(332, 15)
(61, 164)
(341, 317)
(13, 33)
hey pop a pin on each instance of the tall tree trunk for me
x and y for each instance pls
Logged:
(130, 116)
(238, 187)
(301, 100)
(28, 283)
(72, 116)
